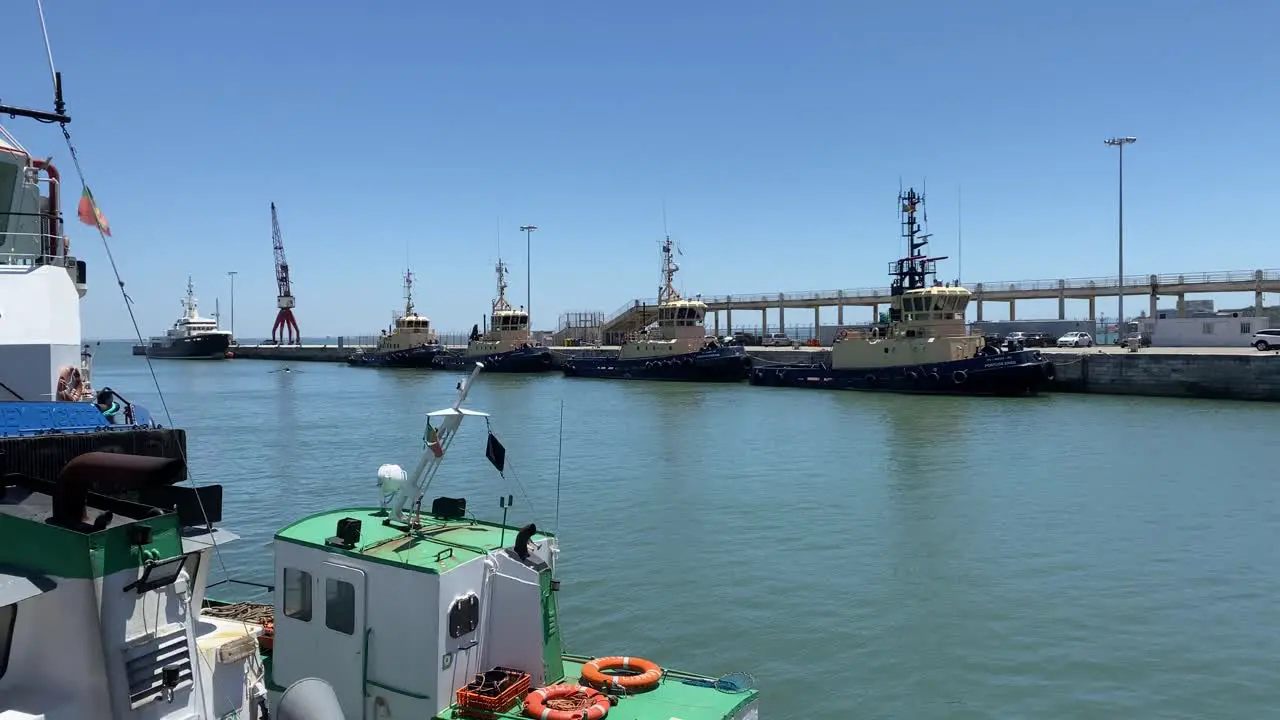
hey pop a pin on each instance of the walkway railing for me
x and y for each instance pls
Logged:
(1066, 285)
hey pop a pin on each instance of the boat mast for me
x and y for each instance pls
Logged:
(408, 293)
(913, 271)
(500, 303)
(189, 304)
(667, 290)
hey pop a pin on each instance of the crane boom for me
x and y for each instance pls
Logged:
(285, 331)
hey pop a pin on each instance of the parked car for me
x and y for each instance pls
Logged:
(746, 338)
(1075, 338)
(778, 339)
(1040, 340)
(1266, 339)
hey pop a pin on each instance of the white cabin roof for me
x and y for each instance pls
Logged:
(940, 290)
(684, 303)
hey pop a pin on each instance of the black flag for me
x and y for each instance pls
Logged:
(496, 453)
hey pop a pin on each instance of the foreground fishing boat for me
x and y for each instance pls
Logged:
(675, 349)
(411, 612)
(925, 348)
(411, 342)
(507, 345)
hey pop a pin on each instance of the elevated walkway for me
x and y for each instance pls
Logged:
(630, 318)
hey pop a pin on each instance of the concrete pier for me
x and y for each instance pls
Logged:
(1210, 373)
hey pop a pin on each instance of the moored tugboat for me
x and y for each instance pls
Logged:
(411, 342)
(925, 347)
(507, 345)
(675, 349)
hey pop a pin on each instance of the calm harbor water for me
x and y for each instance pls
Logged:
(862, 556)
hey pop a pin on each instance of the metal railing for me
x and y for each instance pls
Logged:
(1065, 285)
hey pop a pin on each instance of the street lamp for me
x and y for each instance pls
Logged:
(528, 269)
(1119, 143)
(232, 274)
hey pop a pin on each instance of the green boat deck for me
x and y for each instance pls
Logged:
(672, 699)
(439, 546)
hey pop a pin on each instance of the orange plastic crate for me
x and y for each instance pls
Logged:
(474, 703)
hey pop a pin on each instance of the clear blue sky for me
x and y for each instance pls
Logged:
(775, 133)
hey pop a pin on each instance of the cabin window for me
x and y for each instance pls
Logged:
(464, 616)
(8, 618)
(340, 606)
(297, 594)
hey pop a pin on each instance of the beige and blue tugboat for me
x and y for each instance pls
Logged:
(925, 347)
(674, 348)
(411, 342)
(506, 346)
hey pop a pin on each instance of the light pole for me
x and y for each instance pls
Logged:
(528, 269)
(232, 274)
(1119, 143)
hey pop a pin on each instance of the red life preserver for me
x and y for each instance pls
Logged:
(590, 704)
(648, 673)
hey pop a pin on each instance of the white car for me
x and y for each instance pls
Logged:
(1077, 339)
(1266, 339)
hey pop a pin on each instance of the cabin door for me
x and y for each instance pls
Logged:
(343, 591)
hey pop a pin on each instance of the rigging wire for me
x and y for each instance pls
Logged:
(559, 461)
(133, 319)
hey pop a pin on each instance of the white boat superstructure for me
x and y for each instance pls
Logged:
(41, 285)
(508, 327)
(680, 326)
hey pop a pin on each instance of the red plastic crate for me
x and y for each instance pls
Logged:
(473, 703)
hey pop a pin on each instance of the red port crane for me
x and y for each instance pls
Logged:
(285, 331)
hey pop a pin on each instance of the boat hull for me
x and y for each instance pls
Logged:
(520, 360)
(213, 346)
(422, 356)
(1020, 373)
(727, 364)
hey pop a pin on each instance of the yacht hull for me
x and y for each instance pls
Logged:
(726, 364)
(520, 360)
(213, 346)
(423, 356)
(1021, 373)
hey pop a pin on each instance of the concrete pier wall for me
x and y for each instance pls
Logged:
(1190, 375)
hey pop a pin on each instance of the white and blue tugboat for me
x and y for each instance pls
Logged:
(925, 347)
(675, 348)
(410, 343)
(506, 346)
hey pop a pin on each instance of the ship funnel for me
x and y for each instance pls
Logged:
(309, 699)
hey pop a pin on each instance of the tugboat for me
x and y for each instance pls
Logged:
(925, 347)
(411, 342)
(507, 345)
(192, 337)
(676, 350)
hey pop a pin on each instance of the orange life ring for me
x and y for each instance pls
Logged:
(70, 385)
(650, 674)
(591, 704)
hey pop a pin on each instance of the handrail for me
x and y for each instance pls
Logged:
(1065, 284)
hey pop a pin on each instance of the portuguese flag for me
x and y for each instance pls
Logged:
(90, 214)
